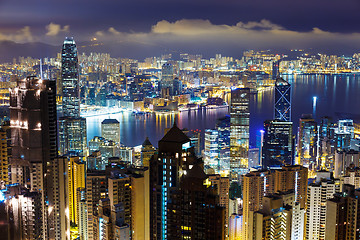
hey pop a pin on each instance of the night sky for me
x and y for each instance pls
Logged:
(145, 27)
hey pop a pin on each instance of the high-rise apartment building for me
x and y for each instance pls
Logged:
(282, 102)
(239, 130)
(318, 193)
(341, 217)
(277, 149)
(257, 184)
(178, 193)
(110, 130)
(76, 181)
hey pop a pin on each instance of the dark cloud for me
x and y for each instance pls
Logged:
(227, 26)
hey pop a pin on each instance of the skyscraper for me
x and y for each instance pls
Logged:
(307, 142)
(239, 130)
(178, 193)
(167, 76)
(72, 128)
(277, 147)
(110, 130)
(282, 104)
(70, 79)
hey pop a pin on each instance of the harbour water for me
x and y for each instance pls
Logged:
(338, 96)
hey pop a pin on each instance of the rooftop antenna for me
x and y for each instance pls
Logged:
(41, 72)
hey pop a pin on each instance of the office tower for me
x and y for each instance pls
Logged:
(111, 221)
(325, 130)
(70, 79)
(76, 179)
(177, 86)
(4, 163)
(110, 130)
(147, 150)
(119, 190)
(33, 138)
(275, 69)
(72, 136)
(223, 128)
(282, 100)
(341, 217)
(95, 161)
(345, 159)
(222, 185)
(344, 133)
(126, 154)
(167, 76)
(277, 147)
(211, 150)
(95, 143)
(195, 139)
(352, 177)
(96, 189)
(324, 188)
(307, 142)
(72, 128)
(239, 130)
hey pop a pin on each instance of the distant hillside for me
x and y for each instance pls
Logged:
(10, 50)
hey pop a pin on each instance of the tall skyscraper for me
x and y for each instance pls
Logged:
(33, 139)
(307, 142)
(167, 83)
(76, 181)
(223, 128)
(178, 193)
(4, 159)
(277, 147)
(70, 79)
(72, 128)
(239, 130)
(282, 103)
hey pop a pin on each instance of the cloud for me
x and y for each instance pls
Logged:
(22, 35)
(54, 29)
(202, 35)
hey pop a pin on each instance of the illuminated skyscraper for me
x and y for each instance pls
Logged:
(223, 128)
(277, 147)
(178, 193)
(72, 136)
(110, 130)
(239, 130)
(282, 104)
(307, 142)
(167, 77)
(76, 179)
(72, 128)
(70, 79)
(4, 163)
